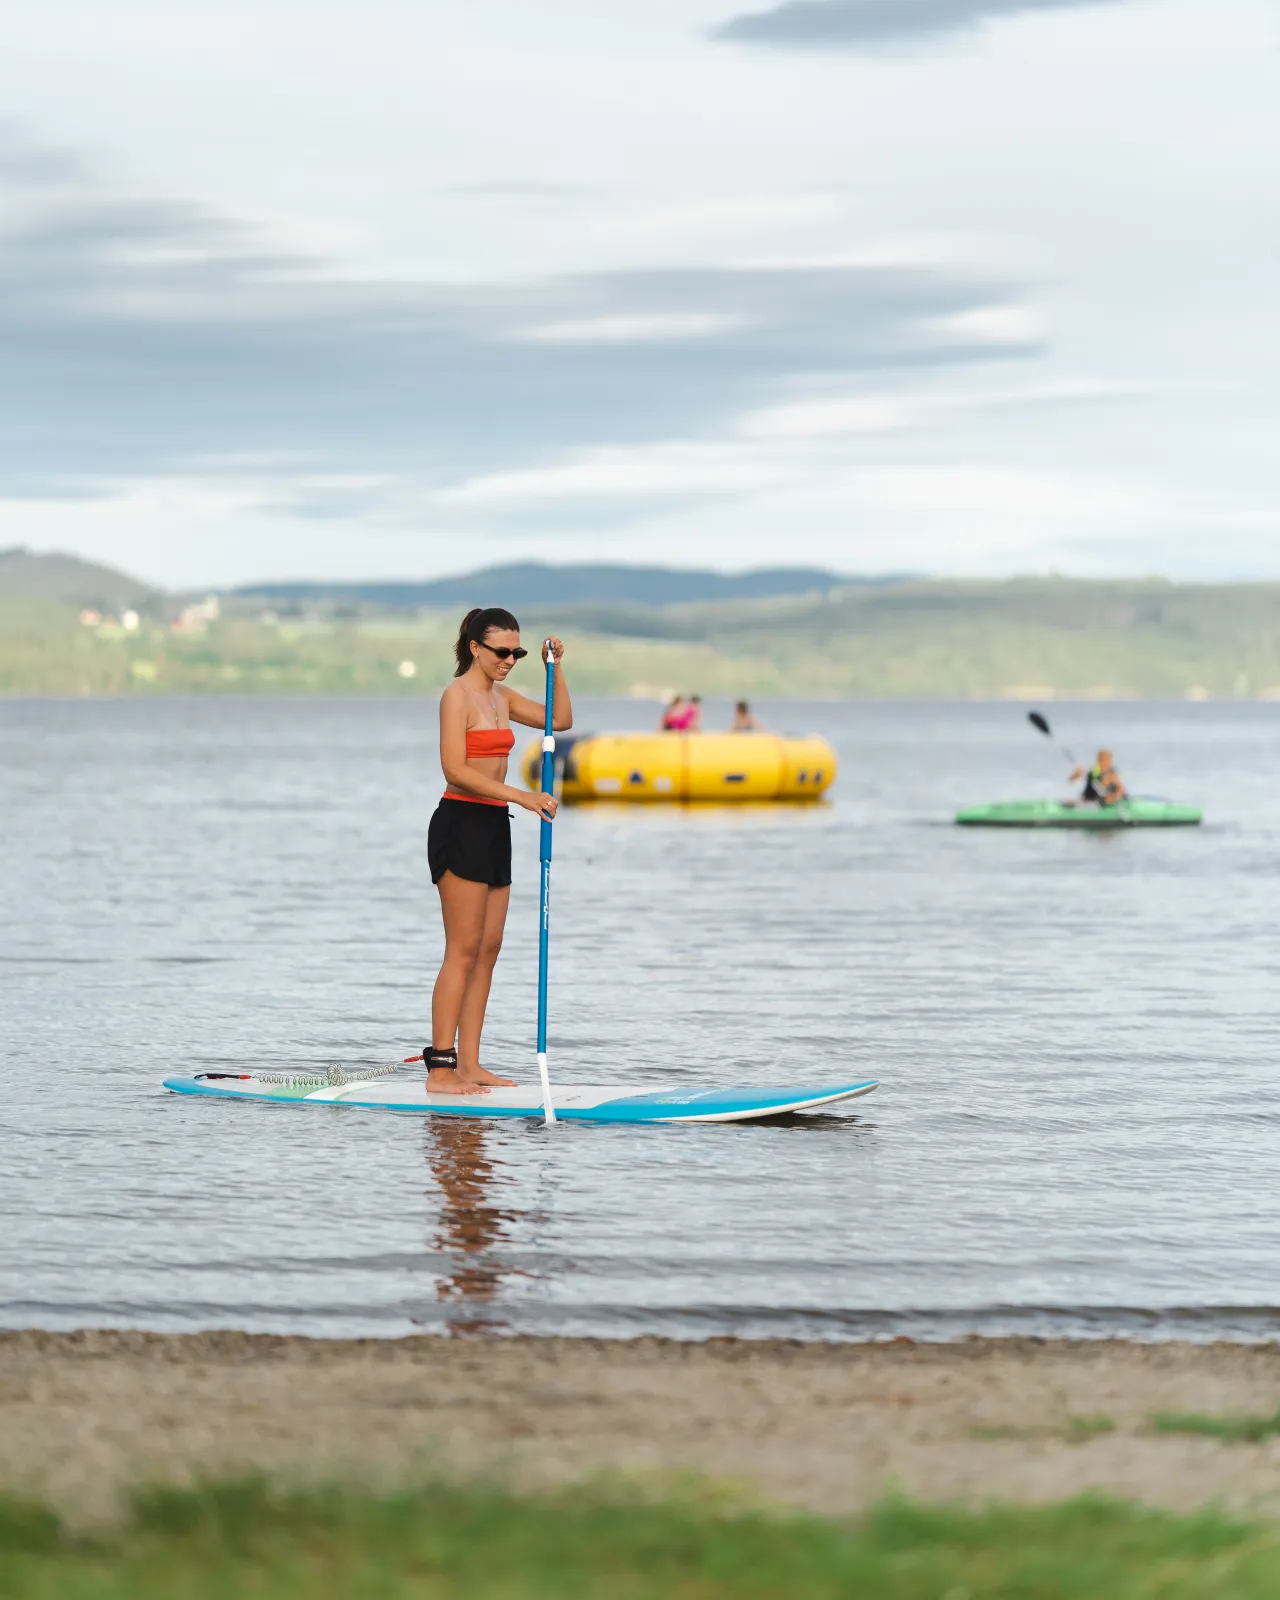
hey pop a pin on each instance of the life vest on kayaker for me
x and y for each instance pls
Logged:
(1103, 785)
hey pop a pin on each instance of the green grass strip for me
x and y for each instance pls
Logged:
(1234, 1430)
(247, 1539)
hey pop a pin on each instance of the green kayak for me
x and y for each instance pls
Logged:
(1079, 814)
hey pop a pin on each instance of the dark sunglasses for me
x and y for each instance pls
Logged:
(504, 652)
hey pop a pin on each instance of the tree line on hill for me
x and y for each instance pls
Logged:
(786, 632)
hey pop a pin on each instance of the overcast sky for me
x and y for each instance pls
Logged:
(402, 288)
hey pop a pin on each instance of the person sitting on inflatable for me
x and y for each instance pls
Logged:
(1103, 784)
(682, 714)
(743, 721)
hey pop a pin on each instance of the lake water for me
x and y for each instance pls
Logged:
(1078, 1129)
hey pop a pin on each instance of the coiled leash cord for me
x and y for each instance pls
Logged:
(334, 1076)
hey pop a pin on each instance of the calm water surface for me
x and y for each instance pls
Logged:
(1078, 1128)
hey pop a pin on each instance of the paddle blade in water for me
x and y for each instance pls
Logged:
(1037, 721)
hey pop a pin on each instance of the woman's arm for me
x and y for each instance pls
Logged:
(459, 774)
(521, 709)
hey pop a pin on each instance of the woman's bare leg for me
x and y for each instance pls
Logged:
(463, 906)
(476, 998)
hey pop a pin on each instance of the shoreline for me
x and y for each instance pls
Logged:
(828, 1427)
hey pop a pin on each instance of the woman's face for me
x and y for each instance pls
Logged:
(492, 665)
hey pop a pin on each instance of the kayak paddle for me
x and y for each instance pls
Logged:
(544, 852)
(1042, 723)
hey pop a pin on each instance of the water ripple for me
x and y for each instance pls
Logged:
(1077, 1131)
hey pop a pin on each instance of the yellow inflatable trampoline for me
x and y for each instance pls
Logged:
(687, 766)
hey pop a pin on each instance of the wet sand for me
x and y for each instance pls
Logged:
(85, 1415)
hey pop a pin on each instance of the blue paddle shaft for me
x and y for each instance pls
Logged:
(544, 851)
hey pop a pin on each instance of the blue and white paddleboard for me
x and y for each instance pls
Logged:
(573, 1102)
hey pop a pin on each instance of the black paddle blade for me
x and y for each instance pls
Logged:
(1037, 721)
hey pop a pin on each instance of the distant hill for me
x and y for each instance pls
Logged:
(1027, 639)
(68, 580)
(535, 583)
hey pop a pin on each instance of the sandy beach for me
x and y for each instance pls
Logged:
(85, 1415)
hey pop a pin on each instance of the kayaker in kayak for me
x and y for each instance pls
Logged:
(1103, 784)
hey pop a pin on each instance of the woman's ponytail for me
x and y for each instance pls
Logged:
(476, 625)
(462, 649)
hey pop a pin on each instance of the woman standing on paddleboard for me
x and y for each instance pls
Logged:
(469, 841)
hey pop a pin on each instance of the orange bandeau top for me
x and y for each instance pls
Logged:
(483, 744)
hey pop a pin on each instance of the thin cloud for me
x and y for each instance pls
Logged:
(145, 339)
(869, 24)
(520, 189)
(23, 163)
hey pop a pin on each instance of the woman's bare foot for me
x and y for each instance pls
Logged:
(448, 1080)
(443, 1076)
(483, 1078)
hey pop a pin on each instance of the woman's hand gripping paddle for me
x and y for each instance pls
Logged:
(544, 852)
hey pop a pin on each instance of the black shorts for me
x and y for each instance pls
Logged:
(471, 841)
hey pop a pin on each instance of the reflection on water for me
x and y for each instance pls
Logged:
(469, 1226)
(1076, 1034)
(718, 814)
